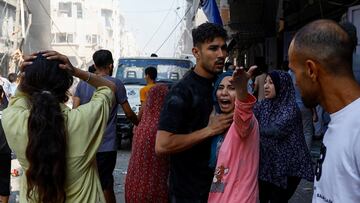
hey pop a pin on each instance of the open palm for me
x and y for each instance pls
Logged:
(241, 77)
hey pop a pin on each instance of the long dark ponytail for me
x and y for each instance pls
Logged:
(47, 85)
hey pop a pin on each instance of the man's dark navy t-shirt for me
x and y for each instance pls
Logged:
(186, 109)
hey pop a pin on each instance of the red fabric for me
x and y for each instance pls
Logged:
(147, 175)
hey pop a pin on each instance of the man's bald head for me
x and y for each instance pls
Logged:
(327, 43)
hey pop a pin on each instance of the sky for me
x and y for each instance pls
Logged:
(151, 22)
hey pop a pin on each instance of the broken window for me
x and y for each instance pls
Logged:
(79, 11)
(60, 37)
(94, 39)
(65, 9)
(88, 39)
(70, 38)
(107, 15)
(64, 38)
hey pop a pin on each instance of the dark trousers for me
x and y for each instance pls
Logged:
(106, 162)
(5, 166)
(269, 192)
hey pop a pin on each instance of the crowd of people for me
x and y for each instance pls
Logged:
(207, 138)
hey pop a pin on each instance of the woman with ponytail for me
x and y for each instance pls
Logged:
(55, 145)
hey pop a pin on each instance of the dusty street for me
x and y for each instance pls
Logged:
(303, 193)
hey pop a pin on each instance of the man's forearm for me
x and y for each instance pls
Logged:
(133, 118)
(93, 79)
(168, 143)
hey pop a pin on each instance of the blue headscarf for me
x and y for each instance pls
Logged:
(217, 139)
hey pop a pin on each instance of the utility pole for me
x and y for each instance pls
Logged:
(19, 35)
(17, 26)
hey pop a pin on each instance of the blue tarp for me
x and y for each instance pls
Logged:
(211, 11)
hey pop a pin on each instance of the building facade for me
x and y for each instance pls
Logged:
(80, 27)
(15, 20)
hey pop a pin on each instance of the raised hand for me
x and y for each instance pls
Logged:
(240, 80)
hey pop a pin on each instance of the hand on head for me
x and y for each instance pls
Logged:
(50, 55)
(27, 60)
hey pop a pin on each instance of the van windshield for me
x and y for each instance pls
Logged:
(132, 71)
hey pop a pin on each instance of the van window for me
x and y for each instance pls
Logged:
(131, 71)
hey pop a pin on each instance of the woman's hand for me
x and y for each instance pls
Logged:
(50, 55)
(240, 80)
(27, 60)
(64, 60)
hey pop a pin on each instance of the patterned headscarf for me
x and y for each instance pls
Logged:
(283, 153)
(279, 110)
(218, 139)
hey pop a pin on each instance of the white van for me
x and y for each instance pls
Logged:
(131, 72)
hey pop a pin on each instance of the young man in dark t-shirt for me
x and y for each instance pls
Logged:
(185, 128)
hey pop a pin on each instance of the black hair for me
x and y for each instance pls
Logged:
(285, 65)
(102, 58)
(328, 43)
(262, 67)
(351, 30)
(46, 85)
(153, 55)
(208, 32)
(12, 77)
(151, 72)
(92, 68)
(275, 77)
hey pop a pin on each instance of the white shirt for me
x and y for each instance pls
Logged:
(12, 88)
(338, 176)
(5, 83)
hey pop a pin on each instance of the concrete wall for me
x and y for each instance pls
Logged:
(39, 33)
(101, 23)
